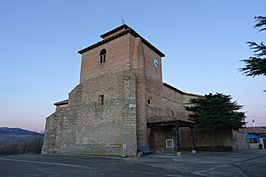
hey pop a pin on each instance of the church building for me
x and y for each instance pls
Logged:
(121, 103)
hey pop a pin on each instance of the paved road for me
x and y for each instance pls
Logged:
(202, 164)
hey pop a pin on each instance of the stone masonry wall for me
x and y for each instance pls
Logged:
(108, 129)
(53, 130)
(49, 135)
(222, 139)
(240, 141)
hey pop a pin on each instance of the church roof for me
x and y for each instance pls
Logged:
(256, 130)
(179, 91)
(166, 120)
(126, 30)
(124, 26)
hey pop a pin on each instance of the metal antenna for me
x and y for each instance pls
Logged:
(123, 21)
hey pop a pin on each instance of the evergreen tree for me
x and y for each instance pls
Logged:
(256, 65)
(215, 111)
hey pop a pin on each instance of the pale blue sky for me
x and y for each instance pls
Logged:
(204, 42)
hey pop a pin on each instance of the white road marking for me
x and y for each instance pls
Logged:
(48, 163)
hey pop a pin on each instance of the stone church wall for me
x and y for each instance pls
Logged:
(53, 130)
(173, 103)
(172, 106)
(92, 128)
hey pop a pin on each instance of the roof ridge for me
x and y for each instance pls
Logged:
(180, 91)
(115, 30)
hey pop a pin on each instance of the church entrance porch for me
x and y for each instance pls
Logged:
(170, 135)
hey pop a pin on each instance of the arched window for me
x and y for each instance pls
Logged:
(103, 56)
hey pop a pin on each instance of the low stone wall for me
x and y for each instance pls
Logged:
(224, 140)
(240, 141)
(221, 140)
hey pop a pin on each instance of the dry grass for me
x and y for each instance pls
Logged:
(33, 146)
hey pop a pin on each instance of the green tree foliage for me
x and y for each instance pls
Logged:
(256, 65)
(216, 111)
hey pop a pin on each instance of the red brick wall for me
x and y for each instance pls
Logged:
(117, 56)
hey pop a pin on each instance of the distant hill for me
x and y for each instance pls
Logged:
(16, 135)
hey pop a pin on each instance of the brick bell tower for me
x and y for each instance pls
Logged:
(144, 59)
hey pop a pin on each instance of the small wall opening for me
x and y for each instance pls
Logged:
(101, 99)
(149, 101)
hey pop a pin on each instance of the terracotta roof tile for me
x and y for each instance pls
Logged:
(168, 119)
(256, 130)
